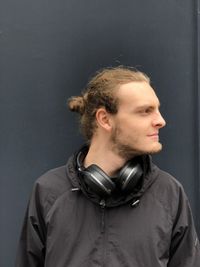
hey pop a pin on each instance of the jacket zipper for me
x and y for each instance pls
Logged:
(103, 232)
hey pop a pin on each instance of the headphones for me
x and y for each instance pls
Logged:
(101, 184)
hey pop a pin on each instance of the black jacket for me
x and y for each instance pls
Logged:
(67, 226)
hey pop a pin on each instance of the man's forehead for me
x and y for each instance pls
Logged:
(140, 92)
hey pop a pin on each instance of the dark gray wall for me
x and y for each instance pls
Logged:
(48, 51)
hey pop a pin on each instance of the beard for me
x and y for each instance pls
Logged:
(126, 150)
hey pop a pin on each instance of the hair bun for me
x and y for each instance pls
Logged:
(77, 104)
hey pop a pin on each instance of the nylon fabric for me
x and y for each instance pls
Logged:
(65, 227)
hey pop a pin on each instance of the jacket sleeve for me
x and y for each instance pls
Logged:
(185, 247)
(31, 248)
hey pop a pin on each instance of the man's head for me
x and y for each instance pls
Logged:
(121, 104)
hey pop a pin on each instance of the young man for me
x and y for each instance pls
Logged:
(110, 205)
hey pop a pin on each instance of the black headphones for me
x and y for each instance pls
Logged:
(100, 183)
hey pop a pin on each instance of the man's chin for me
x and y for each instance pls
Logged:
(155, 149)
(127, 152)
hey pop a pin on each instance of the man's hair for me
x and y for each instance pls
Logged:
(101, 92)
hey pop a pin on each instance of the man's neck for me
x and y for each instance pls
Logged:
(103, 156)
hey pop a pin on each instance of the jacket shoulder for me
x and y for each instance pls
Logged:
(49, 187)
(54, 180)
(169, 184)
(169, 192)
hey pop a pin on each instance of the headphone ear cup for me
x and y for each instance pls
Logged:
(98, 181)
(130, 176)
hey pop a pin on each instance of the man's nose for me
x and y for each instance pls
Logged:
(159, 121)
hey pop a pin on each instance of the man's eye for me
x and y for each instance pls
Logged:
(146, 111)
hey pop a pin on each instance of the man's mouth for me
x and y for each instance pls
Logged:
(154, 136)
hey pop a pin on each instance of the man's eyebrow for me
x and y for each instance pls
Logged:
(147, 106)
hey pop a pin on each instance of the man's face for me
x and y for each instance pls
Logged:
(138, 121)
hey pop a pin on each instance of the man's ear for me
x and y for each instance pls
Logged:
(104, 119)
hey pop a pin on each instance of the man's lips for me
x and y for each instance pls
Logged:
(154, 134)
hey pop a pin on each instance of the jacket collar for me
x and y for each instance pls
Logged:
(77, 181)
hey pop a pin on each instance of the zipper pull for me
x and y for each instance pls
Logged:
(102, 204)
